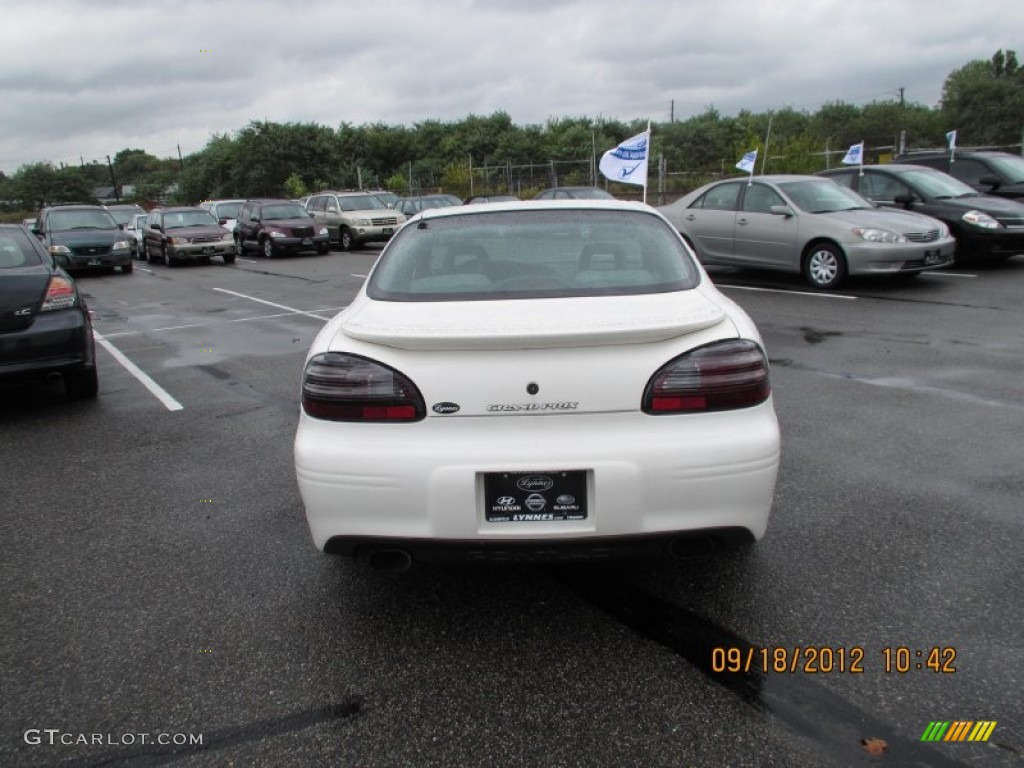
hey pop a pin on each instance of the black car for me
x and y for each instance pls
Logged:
(278, 226)
(84, 237)
(986, 228)
(45, 330)
(988, 171)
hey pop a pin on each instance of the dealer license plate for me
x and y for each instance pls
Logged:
(95, 263)
(387, 230)
(307, 241)
(525, 497)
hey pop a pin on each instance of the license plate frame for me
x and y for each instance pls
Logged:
(535, 496)
(307, 241)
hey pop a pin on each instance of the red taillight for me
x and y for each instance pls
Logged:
(60, 294)
(718, 377)
(341, 387)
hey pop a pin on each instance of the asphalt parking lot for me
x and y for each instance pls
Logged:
(160, 583)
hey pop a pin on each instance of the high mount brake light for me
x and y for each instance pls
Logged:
(718, 377)
(60, 294)
(343, 387)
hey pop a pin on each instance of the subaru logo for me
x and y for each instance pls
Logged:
(565, 498)
(534, 483)
(445, 407)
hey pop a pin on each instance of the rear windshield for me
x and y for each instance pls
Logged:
(16, 250)
(490, 256)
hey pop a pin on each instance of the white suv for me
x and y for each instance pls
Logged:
(354, 218)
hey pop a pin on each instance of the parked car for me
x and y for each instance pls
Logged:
(574, 193)
(224, 211)
(806, 225)
(491, 199)
(275, 226)
(186, 233)
(410, 206)
(986, 228)
(45, 329)
(84, 237)
(354, 218)
(136, 229)
(451, 409)
(124, 212)
(987, 171)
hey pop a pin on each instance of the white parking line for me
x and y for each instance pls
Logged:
(273, 304)
(157, 391)
(353, 274)
(795, 293)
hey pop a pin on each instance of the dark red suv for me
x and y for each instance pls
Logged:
(278, 226)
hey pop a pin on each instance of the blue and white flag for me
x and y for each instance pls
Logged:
(951, 140)
(627, 163)
(854, 155)
(748, 161)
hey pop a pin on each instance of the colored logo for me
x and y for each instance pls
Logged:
(958, 730)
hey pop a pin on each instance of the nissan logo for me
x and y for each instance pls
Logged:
(445, 407)
(534, 483)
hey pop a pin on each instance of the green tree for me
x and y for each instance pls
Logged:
(984, 101)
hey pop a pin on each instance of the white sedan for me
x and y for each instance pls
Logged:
(536, 380)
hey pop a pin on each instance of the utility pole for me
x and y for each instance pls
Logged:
(181, 162)
(113, 181)
(901, 95)
(672, 111)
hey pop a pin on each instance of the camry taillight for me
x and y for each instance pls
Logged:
(60, 294)
(717, 377)
(343, 387)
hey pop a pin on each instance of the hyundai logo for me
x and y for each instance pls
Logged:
(445, 407)
(506, 501)
(534, 483)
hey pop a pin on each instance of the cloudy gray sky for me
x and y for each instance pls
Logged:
(87, 78)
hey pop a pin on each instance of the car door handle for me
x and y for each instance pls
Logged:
(691, 217)
(741, 222)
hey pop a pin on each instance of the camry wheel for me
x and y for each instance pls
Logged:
(825, 267)
(268, 248)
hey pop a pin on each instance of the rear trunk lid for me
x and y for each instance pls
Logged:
(532, 323)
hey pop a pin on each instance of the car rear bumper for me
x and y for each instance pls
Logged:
(646, 476)
(55, 342)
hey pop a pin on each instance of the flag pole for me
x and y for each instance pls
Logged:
(862, 148)
(767, 138)
(647, 173)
